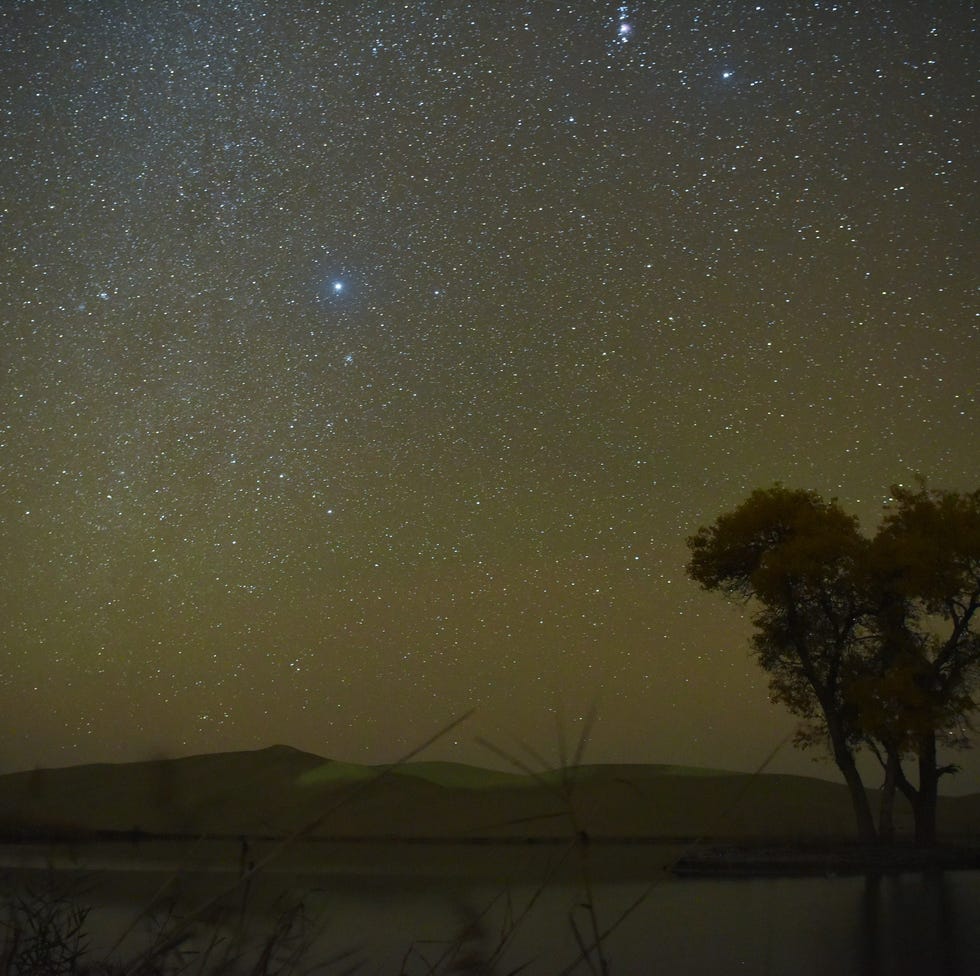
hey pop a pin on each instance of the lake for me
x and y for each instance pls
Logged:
(398, 907)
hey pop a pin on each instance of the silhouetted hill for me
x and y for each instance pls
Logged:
(277, 790)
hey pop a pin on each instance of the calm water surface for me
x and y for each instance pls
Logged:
(393, 906)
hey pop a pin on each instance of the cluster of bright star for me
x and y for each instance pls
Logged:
(623, 26)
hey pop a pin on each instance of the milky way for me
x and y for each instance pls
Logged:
(363, 363)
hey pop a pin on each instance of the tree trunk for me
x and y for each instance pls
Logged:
(844, 758)
(886, 809)
(927, 793)
(859, 800)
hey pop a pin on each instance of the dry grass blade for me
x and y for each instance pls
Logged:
(726, 812)
(584, 950)
(185, 925)
(564, 789)
(585, 735)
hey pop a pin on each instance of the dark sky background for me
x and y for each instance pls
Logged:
(363, 363)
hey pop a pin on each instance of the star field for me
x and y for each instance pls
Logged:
(364, 363)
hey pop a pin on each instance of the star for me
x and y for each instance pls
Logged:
(259, 268)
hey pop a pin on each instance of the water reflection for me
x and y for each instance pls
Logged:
(401, 915)
(910, 925)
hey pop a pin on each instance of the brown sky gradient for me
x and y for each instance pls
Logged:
(365, 363)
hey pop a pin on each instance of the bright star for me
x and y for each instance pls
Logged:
(338, 287)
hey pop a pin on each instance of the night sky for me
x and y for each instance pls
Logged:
(364, 363)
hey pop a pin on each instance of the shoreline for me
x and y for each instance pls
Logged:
(714, 860)
(678, 857)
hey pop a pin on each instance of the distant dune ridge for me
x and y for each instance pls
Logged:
(274, 791)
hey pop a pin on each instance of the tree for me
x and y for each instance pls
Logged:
(873, 643)
(924, 572)
(797, 558)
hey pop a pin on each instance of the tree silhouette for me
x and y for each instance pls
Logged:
(924, 574)
(872, 643)
(793, 554)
